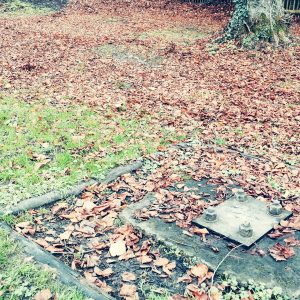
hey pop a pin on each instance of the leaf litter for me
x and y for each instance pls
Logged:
(232, 99)
(86, 233)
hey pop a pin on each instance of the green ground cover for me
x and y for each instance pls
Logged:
(21, 278)
(19, 7)
(44, 147)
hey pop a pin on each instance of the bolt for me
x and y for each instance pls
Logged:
(246, 230)
(275, 208)
(240, 196)
(210, 215)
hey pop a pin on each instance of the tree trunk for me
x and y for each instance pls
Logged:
(256, 22)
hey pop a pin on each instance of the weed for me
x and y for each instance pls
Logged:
(220, 141)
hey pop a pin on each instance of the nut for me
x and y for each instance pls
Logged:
(246, 230)
(275, 208)
(210, 215)
(240, 196)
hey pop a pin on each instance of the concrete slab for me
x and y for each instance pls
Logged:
(242, 262)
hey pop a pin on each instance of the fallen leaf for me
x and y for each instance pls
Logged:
(65, 235)
(42, 243)
(201, 231)
(103, 273)
(127, 276)
(43, 295)
(117, 248)
(280, 252)
(128, 290)
(159, 262)
(215, 294)
(199, 270)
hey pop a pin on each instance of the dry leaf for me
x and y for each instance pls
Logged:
(42, 243)
(43, 295)
(103, 273)
(280, 252)
(199, 270)
(117, 248)
(159, 262)
(128, 290)
(66, 235)
(127, 276)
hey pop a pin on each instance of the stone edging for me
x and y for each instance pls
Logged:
(65, 274)
(75, 190)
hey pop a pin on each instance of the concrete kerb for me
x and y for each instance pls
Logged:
(75, 190)
(241, 264)
(65, 274)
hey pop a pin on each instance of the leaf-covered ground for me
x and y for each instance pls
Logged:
(87, 233)
(102, 82)
(156, 64)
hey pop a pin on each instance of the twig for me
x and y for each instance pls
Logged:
(177, 242)
(218, 266)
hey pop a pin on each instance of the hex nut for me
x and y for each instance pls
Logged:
(240, 196)
(275, 208)
(246, 230)
(210, 215)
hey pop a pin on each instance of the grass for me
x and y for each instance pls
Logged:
(19, 7)
(178, 35)
(44, 147)
(123, 54)
(21, 278)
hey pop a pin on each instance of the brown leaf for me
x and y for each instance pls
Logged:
(23, 224)
(128, 290)
(292, 241)
(43, 295)
(42, 243)
(54, 249)
(127, 276)
(201, 231)
(196, 293)
(65, 235)
(185, 278)
(117, 248)
(171, 266)
(160, 262)
(199, 271)
(280, 252)
(145, 259)
(89, 277)
(103, 273)
(215, 294)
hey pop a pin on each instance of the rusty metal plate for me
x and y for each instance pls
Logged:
(242, 218)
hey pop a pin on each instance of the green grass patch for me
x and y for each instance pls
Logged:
(21, 279)
(43, 147)
(178, 35)
(123, 54)
(19, 7)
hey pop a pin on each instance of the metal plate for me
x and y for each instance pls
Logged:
(232, 213)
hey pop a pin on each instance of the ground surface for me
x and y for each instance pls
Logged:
(98, 84)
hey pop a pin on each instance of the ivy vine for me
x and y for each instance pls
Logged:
(238, 23)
